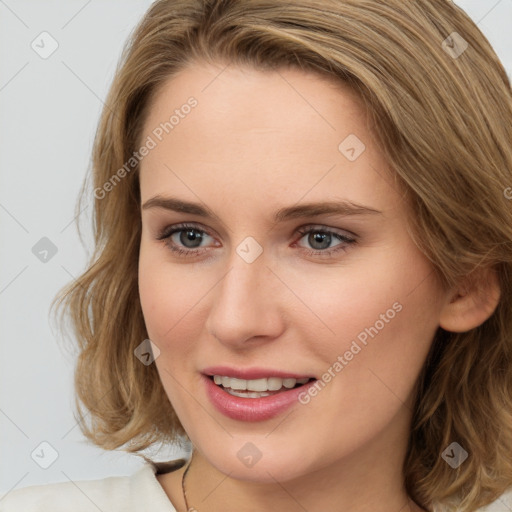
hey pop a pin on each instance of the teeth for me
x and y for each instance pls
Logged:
(254, 385)
(274, 383)
(237, 384)
(259, 385)
(247, 394)
(289, 383)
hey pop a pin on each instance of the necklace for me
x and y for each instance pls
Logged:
(183, 484)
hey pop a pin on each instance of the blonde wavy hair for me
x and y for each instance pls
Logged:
(443, 122)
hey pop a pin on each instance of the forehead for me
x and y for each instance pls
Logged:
(233, 96)
(285, 132)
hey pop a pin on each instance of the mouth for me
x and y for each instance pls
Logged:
(257, 388)
(254, 394)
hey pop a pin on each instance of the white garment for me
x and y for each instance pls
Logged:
(138, 492)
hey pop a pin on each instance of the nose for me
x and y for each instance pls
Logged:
(246, 305)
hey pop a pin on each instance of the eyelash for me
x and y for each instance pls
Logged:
(166, 234)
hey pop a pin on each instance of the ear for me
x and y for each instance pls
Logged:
(472, 303)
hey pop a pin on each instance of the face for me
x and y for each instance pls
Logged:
(253, 281)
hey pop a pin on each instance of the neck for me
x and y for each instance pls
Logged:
(354, 484)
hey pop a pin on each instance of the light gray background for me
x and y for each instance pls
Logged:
(49, 111)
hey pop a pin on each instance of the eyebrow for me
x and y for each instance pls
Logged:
(345, 208)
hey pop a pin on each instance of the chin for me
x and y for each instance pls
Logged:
(267, 469)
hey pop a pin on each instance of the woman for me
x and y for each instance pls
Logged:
(303, 262)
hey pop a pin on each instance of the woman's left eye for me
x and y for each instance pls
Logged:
(185, 240)
(320, 239)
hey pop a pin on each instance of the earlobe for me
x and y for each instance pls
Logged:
(472, 303)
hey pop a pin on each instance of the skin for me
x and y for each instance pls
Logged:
(257, 142)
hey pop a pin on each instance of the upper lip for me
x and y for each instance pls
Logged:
(252, 373)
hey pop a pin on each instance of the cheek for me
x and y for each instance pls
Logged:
(162, 295)
(151, 294)
(172, 298)
(381, 312)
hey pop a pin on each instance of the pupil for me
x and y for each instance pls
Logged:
(320, 238)
(190, 235)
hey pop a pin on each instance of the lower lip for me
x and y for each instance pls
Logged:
(252, 409)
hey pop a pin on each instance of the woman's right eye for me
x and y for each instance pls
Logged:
(184, 239)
